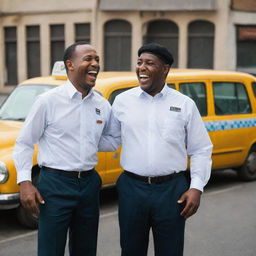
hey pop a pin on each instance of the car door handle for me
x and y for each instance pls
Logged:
(115, 155)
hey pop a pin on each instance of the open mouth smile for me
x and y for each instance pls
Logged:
(143, 78)
(92, 74)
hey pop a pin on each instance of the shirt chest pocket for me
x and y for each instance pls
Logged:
(173, 130)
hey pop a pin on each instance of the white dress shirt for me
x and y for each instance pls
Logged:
(67, 129)
(159, 132)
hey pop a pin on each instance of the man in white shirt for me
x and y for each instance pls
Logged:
(158, 127)
(67, 122)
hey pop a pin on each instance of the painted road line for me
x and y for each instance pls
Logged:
(110, 214)
(106, 215)
(103, 216)
(18, 237)
(221, 191)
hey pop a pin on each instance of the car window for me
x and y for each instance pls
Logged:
(197, 92)
(254, 88)
(18, 104)
(230, 98)
(115, 93)
(171, 86)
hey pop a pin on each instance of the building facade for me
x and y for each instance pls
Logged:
(219, 34)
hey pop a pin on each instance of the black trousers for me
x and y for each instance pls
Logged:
(144, 206)
(71, 204)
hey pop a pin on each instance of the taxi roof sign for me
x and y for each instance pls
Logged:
(59, 70)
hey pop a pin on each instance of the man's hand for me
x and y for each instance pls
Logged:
(192, 199)
(30, 197)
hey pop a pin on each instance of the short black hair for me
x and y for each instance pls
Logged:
(158, 50)
(68, 53)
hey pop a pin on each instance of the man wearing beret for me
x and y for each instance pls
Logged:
(158, 127)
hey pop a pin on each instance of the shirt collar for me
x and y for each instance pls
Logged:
(73, 92)
(162, 93)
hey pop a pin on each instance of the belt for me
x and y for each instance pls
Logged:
(72, 174)
(154, 179)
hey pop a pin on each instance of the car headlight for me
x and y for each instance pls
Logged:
(4, 174)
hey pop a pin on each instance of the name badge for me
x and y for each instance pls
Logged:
(175, 109)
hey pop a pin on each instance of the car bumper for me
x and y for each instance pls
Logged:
(9, 201)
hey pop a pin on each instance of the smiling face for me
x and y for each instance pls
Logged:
(151, 73)
(83, 68)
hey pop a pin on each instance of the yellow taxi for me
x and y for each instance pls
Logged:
(225, 99)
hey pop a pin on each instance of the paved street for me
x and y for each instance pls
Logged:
(224, 226)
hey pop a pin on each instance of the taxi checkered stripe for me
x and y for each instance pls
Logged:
(230, 124)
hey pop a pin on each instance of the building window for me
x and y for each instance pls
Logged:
(117, 46)
(33, 51)
(82, 32)
(10, 35)
(57, 43)
(230, 98)
(246, 48)
(244, 5)
(200, 44)
(165, 33)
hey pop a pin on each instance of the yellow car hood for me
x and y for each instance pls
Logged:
(9, 130)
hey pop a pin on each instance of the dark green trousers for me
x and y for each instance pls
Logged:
(71, 204)
(144, 206)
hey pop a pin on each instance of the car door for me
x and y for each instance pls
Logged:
(231, 124)
(199, 91)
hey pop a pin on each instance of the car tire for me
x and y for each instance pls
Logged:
(26, 218)
(248, 171)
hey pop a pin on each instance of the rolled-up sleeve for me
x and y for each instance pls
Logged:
(30, 134)
(199, 148)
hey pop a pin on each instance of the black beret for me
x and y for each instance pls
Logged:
(158, 50)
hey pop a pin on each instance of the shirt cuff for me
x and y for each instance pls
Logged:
(23, 176)
(197, 183)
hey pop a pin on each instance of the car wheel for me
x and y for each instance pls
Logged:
(248, 171)
(25, 217)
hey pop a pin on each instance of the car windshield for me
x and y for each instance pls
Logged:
(18, 104)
